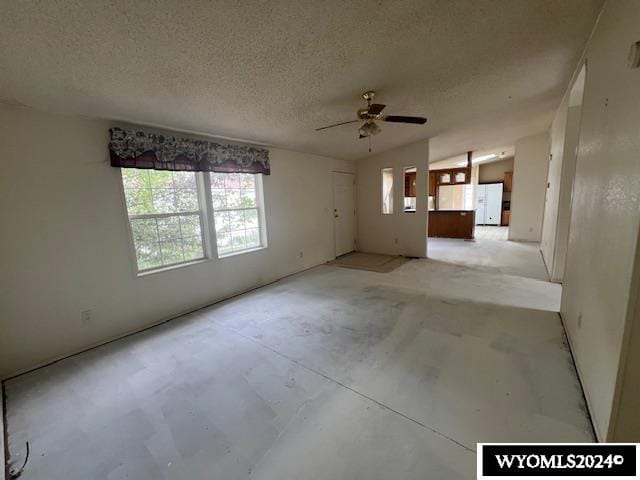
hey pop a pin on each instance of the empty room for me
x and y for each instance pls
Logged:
(318, 240)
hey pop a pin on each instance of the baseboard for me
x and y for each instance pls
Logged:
(522, 240)
(4, 447)
(596, 433)
(546, 267)
(135, 331)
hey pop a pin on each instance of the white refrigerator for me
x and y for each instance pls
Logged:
(488, 204)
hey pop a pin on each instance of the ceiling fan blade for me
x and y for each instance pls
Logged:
(403, 119)
(337, 124)
(364, 136)
(376, 108)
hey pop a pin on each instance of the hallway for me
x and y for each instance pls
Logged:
(393, 375)
(521, 259)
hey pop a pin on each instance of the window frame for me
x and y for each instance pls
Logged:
(206, 246)
(207, 224)
(260, 207)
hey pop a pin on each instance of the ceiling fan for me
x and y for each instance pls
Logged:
(370, 114)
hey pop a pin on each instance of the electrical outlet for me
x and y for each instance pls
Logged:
(301, 254)
(85, 316)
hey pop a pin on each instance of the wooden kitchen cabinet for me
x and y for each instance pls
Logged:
(451, 223)
(433, 181)
(461, 176)
(506, 215)
(410, 184)
(452, 176)
(508, 181)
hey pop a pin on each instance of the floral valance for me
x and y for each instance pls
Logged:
(138, 149)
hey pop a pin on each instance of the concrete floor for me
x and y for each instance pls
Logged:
(332, 373)
(491, 232)
(491, 255)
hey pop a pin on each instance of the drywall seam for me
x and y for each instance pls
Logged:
(129, 333)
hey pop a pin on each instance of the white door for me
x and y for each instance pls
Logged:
(481, 198)
(493, 204)
(344, 212)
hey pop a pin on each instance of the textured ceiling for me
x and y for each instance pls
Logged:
(484, 72)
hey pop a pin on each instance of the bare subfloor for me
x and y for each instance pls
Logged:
(333, 373)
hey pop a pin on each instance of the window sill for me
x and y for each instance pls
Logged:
(241, 252)
(168, 268)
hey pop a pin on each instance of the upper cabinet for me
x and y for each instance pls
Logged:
(508, 181)
(410, 184)
(452, 176)
(433, 181)
(460, 177)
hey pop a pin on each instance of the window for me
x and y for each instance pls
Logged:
(173, 221)
(165, 217)
(237, 211)
(387, 191)
(455, 197)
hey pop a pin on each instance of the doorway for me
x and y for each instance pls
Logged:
(491, 216)
(565, 136)
(344, 212)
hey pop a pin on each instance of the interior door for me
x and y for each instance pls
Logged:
(493, 204)
(344, 212)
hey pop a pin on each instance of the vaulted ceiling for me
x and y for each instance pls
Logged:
(484, 72)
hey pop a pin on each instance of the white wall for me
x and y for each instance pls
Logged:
(624, 425)
(400, 233)
(529, 186)
(494, 171)
(65, 249)
(605, 219)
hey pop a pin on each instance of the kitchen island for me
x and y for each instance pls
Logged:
(451, 223)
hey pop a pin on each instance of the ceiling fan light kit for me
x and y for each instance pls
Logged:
(372, 113)
(369, 128)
